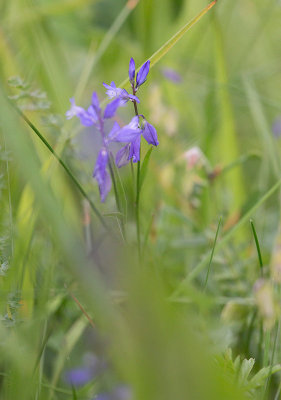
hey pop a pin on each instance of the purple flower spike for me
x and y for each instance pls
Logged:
(142, 74)
(132, 70)
(111, 108)
(122, 156)
(150, 134)
(101, 174)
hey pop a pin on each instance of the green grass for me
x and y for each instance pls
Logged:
(195, 315)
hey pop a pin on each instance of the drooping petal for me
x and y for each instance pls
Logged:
(122, 156)
(142, 74)
(101, 174)
(135, 149)
(111, 108)
(132, 69)
(79, 112)
(126, 135)
(150, 134)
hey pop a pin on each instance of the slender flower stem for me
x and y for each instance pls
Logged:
(137, 203)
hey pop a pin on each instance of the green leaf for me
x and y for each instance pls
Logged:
(259, 379)
(144, 167)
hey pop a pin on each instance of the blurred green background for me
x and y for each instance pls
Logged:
(157, 327)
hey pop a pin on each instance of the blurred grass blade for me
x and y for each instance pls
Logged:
(144, 166)
(270, 154)
(173, 40)
(226, 137)
(93, 59)
(62, 163)
(257, 245)
(196, 271)
(212, 253)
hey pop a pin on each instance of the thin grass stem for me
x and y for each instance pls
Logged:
(212, 254)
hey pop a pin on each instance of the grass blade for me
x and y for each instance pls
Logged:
(62, 163)
(257, 245)
(212, 253)
(194, 273)
(156, 57)
(144, 167)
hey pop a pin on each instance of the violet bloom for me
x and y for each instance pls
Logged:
(122, 94)
(131, 134)
(141, 75)
(94, 116)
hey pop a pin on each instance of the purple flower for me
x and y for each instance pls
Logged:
(150, 134)
(131, 134)
(142, 74)
(128, 133)
(122, 94)
(101, 174)
(122, 156)
(86, 118)
(78, 376)
(132, 70)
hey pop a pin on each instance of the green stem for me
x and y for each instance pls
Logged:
(138, 209)
(116, 195)
(65, 167)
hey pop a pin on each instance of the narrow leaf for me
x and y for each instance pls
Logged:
(144, 167)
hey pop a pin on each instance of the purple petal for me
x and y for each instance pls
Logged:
(142, 74)
(111, 108)
(134, 123)
(96, 103)
(101, 174)
(126, 135)
(78, 376)
(150, 134)
(122, 156)
(132, 69)
(93, 114)
(113, 131)
(135, 149)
